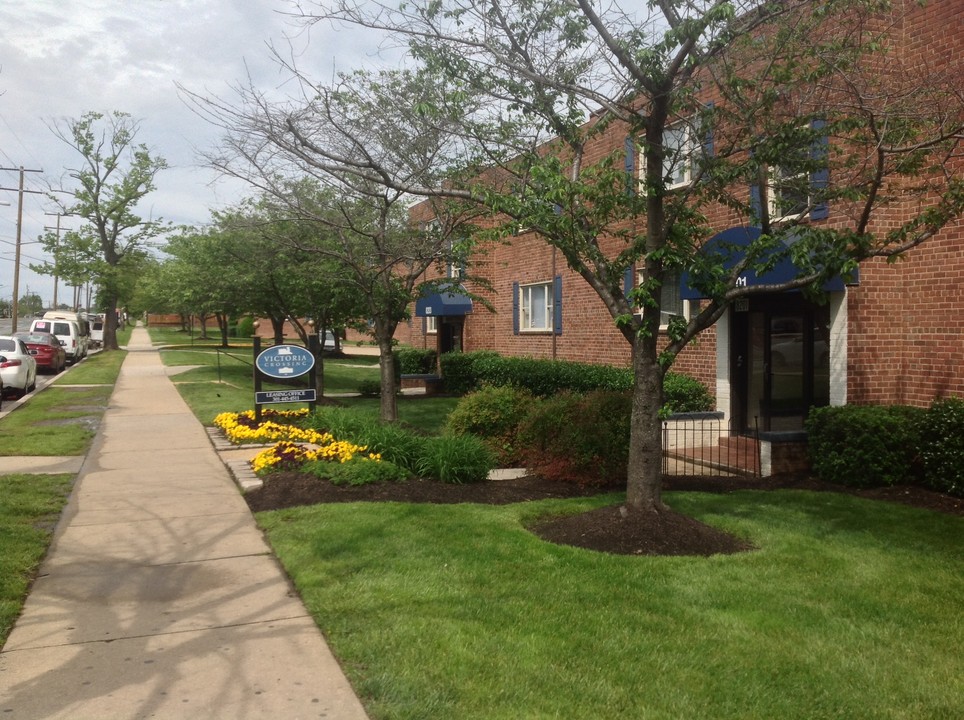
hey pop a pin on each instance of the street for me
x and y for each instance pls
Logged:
(43, 379)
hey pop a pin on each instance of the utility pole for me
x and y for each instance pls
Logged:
(56, 248)
(16, 265)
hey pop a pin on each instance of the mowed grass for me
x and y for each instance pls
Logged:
(849, 608)
(61, 420)
(215, 380)
(29, 508)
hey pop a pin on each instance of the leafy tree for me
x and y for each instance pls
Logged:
(508, 104)
(359, 223)
(114, 175)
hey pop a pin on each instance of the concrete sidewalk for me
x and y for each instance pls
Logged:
(159, 597)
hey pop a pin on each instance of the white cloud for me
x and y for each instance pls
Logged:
(61, 58)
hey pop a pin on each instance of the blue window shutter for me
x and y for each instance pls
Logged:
(756, 204)
(424, 326)
(629, 280)
(708, 148)
(557, 305)
(515, 308)
(630, 164)
(819, 179)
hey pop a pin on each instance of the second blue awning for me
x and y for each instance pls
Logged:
(452, 302)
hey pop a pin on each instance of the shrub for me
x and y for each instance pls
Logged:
(458, 369)
(864, 446)
(682, 393)
(370, 388)
(942, 446)
(245, 327)
(357, 471)
(455, 459)
(579, 438)
(492, 414)
(415, 361)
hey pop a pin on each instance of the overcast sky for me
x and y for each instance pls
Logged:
(61, 58)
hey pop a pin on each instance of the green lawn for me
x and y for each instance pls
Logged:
(63, 418)
(215, 380)
(849, 609)
(29, 508)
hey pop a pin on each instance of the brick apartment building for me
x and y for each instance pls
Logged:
(892, 334)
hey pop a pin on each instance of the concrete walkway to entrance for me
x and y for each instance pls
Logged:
(159, 597)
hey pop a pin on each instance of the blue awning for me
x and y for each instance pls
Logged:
(729, 246)
(444, 303)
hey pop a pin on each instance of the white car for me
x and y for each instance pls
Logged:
(18, 368)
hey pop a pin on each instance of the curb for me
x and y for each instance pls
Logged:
(240, 470)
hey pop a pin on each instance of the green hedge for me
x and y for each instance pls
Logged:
(864, 446)
(415, 361)
(465, 372)
(942, 446)
(870, 446)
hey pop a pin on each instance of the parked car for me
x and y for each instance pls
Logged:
(46, 349)
(18, 368)
(67, 332)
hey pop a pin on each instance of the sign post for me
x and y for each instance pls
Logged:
(281, 362)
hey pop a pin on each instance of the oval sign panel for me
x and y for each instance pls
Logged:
(285, 361)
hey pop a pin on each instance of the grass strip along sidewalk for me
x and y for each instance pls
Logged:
(60, 420)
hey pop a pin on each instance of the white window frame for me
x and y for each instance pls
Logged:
(664, 315)
(676, 157)
(431, 324)
(775, 179)
(774, 196)
(525, 307)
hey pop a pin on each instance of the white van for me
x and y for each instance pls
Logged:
(96, 330)
(67, 332)
(82, 325)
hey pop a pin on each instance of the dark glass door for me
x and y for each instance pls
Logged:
(781, 362)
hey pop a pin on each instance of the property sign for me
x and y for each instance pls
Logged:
(285, 361)
(284, 396)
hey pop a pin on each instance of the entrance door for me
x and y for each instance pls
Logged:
(450, 334)
(781, 362)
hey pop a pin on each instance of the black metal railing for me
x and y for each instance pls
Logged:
(704, 444)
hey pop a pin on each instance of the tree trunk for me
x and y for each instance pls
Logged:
(223, 328)
(110, 324)
(645, 475)
(389, 405)
(278, 326)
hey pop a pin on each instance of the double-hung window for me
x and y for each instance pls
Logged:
(680, 152)
(789, 192)
(684, 144)
(431, 325)
(796, 187)
(671, 302)
(535, 307)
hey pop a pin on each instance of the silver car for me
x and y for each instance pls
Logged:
(18, 368)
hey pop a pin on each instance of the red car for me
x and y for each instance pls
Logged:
(46, 349)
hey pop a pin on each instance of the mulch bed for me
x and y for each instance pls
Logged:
(610, 529)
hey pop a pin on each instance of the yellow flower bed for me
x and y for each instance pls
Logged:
(240, 428)
(286, 453)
